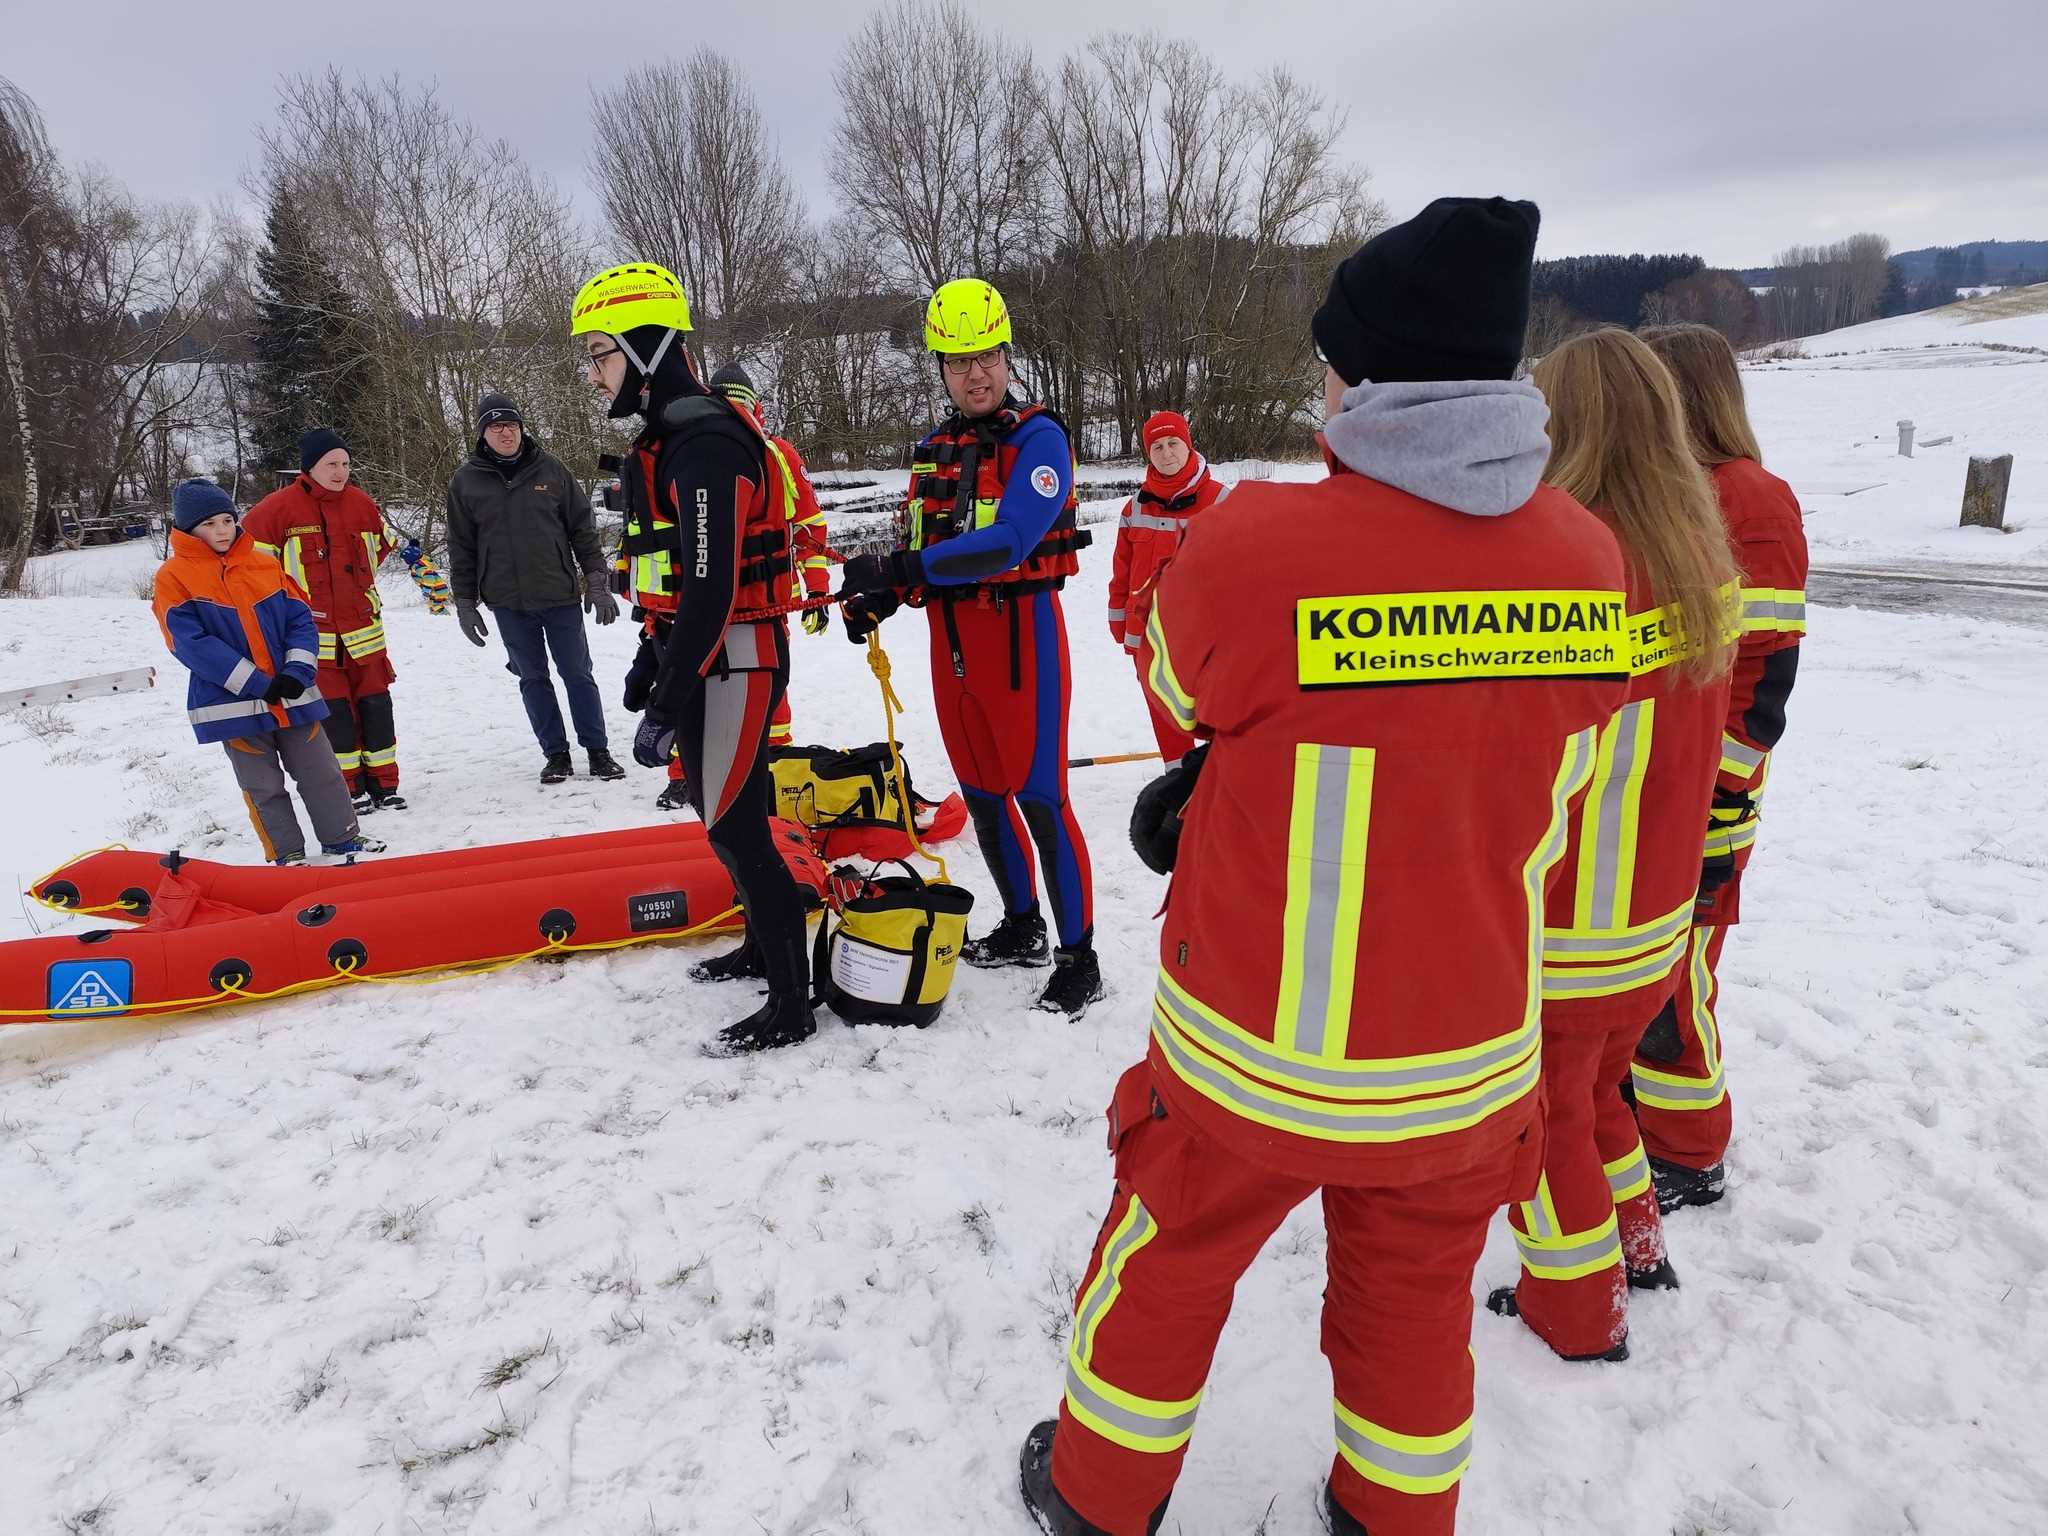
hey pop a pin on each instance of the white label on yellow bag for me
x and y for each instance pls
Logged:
(868, 971)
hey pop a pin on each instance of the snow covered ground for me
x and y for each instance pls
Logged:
(509, 1255)
(1976, 372)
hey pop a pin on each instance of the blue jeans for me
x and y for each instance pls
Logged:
(529, 635)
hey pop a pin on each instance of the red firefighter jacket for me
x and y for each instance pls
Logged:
(331, 545)
(1148, 535)
(1403, 701)
(1620, 909)
(1763, 521)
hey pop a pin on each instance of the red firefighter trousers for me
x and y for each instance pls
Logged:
(1594, 1215)
(1188, 1217)
(1682, 1100)
(1174, 743)
(359, 719)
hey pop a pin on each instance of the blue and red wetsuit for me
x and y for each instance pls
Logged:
(1001, 675)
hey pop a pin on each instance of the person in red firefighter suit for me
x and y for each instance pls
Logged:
(330, 538)
(708, 537)
(1680, 1094)
(989, 540)
(1401, 673)
(1177, 486)
(1615, 927)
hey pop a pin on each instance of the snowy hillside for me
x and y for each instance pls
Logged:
(1974, 372)
(509, 1255)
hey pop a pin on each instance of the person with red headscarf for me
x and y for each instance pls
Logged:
(1177, 486)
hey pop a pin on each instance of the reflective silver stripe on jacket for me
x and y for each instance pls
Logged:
(240, 709)
(1149, 520)
(239, 678)
(297, 657)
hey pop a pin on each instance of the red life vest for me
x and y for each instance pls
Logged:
(770, 579)
(933, 511)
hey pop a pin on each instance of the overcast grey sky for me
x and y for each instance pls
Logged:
(1728, 129)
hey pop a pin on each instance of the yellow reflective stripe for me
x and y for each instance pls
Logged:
(1571, 1255)
(1700, 978)
(348, 760)
(1165, 684)
(1609, 821)
(1150, 1425)
(1584, 944)
(364, 641)
(1417, 1464)
(382, 758)
(1539, 1216)
(1731, 839)
(1774, 610)
(1132, 1233)
(1326, 850)
(1561, 982)
(1575, 767)
(1666, 1090)
(327, 645)
(1628, 1176)
(294, 560)
(1739, 757)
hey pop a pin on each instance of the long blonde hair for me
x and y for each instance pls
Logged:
(1618, 445)
(1702, 364)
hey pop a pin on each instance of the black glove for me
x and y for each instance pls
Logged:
(817, 620)
(864, 614)
(654, 743)
(641, 675)
(1715, 872)
(881, 573)
(472, 623)
(1156, 818)
(283, 687)
(598, 599)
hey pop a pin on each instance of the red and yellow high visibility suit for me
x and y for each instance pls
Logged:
(1403, 701)
(1148, 535)
(331, 544)
(1680, 1092)
(1614, 935)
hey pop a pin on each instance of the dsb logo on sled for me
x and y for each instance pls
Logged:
(90, 986)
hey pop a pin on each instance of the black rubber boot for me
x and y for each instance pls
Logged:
(1339, 1519)
(604, 766)
(1679, 1186)
(1076, 981)
(1019, 939)
(386, 799)
(1502, 1303)
(556, 768)
(742, 964)
(1055, 1516)
(674, 798)
(1658, 1277)
(785, 1019)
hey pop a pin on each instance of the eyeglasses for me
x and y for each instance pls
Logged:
(960, 366)
(596, 360)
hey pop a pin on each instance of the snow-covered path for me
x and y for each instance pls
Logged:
(508, 1255)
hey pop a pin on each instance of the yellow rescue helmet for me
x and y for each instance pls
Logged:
(966, 315)
(620, 298)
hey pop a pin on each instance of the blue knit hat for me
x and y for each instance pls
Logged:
(194, 501)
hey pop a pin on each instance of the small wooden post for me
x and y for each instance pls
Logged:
(1984, 492)
(1905, 439)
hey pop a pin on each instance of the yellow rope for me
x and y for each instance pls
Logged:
(35, 887)
(421, 976)
(878, 663)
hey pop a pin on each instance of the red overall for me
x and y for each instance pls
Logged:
(1148, 535)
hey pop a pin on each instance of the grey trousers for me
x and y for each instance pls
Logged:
(261, 762)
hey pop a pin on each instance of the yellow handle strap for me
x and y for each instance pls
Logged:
(878, 663)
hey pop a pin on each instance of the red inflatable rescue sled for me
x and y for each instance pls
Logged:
(209, 933)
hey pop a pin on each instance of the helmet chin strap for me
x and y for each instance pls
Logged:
(646, 368)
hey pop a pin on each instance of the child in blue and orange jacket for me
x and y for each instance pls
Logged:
(246, 634)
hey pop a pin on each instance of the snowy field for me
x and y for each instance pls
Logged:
(510, 1255)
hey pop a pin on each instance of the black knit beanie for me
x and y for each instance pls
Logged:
(316, 445)
(1443, 296)
(494, 408)
(733, 382)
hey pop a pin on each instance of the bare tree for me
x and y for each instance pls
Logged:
(939, 146)
(685, 171)
(28, 191)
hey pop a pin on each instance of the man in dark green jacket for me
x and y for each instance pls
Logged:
(522, 541)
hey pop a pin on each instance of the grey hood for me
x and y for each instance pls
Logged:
(1477, 446)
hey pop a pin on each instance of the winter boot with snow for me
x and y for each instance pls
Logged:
(1501, 1302)
(1339, 1519)
(364, 801)
(297, 857)
(674, 798)
(351, 847)
(742, 964)
(1678, 1185)
(1055, 1516)
(1019, 939)
(386, 799)
(604, 766)
(1076, 981)
(785, 1019)
(556, 768)
(1658, 1277)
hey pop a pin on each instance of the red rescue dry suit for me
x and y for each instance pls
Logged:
(1347, 998)
(1681, 1096)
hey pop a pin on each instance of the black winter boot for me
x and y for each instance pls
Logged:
(674, 798)
(742, 964)
(1340, 1520)
(1679, 1186)
(386, 799)
(1658, 1277)
(1055, 1516)
(1502, 1302)
(604, 766)
(785, 1019)
(556, 768)
(364, 801)
(1076, 981)
(1019, 939)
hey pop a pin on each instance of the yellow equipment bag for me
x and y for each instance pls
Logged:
(889, 958)
(853, 805)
